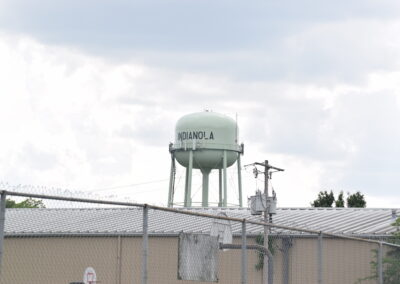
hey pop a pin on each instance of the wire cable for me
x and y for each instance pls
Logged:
(127, 185)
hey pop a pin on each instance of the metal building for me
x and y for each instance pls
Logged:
(57, 245)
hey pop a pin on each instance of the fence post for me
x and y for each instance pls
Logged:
(145, 244)
(380, 263)
(266, 271)
(286, 243)
(320, 258)
(2, 221)
(244, 253)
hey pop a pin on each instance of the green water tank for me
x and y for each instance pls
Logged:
(208, 134)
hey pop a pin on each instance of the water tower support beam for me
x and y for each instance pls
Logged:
(220, 187)
(171, 182)
(225, 181)
(239, 169)
(206, 175)
(188, 183)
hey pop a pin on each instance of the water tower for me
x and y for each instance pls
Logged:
(205, 141)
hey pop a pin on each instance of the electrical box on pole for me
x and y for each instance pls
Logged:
(260, 203)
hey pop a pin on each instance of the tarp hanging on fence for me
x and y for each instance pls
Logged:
(198, 257)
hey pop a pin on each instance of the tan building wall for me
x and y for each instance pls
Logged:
(118, 260)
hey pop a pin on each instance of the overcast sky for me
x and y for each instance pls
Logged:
(90, 92)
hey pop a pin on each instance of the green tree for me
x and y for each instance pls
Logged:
(324, 199)
(271, 247)
(390, 263)
(27, 203)
(356, 200)
(339, 202)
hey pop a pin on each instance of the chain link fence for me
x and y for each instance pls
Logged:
(75, 241)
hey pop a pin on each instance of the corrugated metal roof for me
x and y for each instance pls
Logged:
(89, 221)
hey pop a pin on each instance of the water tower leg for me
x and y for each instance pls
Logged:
(206, 174)
(220, 187)
(239, 169)
(188, 183)
(225, 181)
(185, 202)
(171, 182)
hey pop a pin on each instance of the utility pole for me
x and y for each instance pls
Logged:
(266, 271)
(267, 168)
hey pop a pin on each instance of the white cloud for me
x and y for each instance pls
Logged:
(73, 120)
(342, 51)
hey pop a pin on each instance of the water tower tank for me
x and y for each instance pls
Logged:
(209, 134)
(205, 141)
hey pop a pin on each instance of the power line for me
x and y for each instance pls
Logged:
(127, 185)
